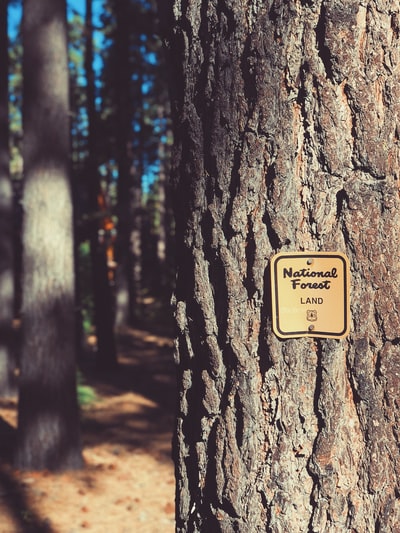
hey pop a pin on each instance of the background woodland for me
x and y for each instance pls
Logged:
(117, 162)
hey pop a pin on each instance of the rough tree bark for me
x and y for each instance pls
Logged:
(286, 139)
(48, 435)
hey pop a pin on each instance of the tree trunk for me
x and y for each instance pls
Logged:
(287, 135)
(126, 289)
(7, 359)
(48, 417)
(102, 293)
(136, 210)
(163, 280)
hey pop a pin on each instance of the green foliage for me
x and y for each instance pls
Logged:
(86, 394)
(85, 287)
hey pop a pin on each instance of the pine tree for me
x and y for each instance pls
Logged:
(7, 359)
(48, 434)
(103, 300)
(286, 139)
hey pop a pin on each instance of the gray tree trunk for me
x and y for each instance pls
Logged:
(7, 356)
(286, 139)
(48, 419)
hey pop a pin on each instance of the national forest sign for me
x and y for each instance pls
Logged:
(310, 294)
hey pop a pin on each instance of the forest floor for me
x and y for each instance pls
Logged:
(127, 484)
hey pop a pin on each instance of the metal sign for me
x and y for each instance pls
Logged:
(310, 294)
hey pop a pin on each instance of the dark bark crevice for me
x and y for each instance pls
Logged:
(342, 201)
(251, 247)
(234, 187)
(323, 49)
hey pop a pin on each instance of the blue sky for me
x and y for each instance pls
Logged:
(14, 15)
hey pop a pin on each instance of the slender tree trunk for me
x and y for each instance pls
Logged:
(125, 296)
(163, 227)
(136, 245)
(102, 293)
(286, 139)
(129, 286)
(7, 356)
(48, 417)
(160, 275)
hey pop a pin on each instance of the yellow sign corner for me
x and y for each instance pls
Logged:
(310, 294)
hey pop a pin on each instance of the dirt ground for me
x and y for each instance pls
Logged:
(127, 485)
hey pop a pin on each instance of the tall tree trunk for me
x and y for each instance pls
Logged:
(125, 290)
(163, 227)
(286, 139)
(48, 417)
(129, 286)
(136, 245)
(7, 360)
(102, 292)
(160, 274)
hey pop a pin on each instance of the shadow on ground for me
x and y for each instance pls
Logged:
(144, 379)
(12, 493)
(134, 413)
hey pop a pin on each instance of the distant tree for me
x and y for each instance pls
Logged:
(48, 434)
(15, 101)
(158, 238)
(128, 281)
(15, 139)
(103, 300)
(286, 125)
(131, 127)
(78, 95)
(6, 220)
(78, 126)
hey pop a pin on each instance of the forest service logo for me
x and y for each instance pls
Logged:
(310, 294)
(312, 315)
